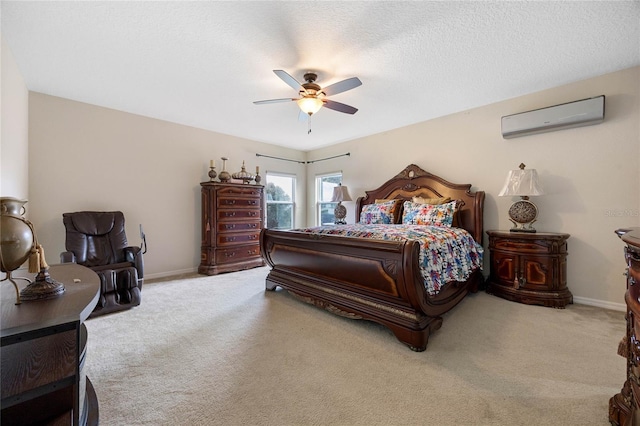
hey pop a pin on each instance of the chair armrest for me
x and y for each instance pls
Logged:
(67, 257)
(134, 255)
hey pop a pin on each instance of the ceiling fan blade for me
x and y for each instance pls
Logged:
(337, 106)
(342, 86)
(302, 116)
(284, 76)
(273, 101)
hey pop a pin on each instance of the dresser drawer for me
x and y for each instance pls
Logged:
(633, 275)
(239, 203)
(239, 226)
(235, 238)
(237, 253)
(227, 215)
(239, 191)
(634, 348)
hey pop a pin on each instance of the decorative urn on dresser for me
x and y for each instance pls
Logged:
(232, 218)
(529, 268)
(624, 407)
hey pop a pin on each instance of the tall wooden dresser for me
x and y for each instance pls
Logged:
(232, 218)
(624, 407)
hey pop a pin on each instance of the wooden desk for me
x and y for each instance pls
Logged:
(43, 349)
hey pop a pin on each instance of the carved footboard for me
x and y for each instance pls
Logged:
(360, 279)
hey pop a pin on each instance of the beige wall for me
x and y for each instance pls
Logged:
(14, 125)
(87, 157)
(84, 157)
(590, 174)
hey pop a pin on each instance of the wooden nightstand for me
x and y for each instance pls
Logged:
(529, 268)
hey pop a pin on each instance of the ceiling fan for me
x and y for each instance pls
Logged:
(312, 96)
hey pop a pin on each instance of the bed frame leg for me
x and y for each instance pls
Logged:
(417, 339)
(270, 286)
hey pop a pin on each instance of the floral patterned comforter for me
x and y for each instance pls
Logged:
(447, 254)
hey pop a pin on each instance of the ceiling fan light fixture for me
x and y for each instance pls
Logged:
(309, 105)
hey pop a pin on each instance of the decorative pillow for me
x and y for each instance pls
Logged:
(379, 213)
(440, 200)
(428, 214)
(396, 207)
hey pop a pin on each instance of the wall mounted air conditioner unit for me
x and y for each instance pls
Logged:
(572, 114)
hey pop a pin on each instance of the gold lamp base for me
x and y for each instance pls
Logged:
(43, 287)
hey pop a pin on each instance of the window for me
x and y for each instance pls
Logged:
(324, 193)
(279, 195)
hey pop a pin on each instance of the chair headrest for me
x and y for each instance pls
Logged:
(93, 223)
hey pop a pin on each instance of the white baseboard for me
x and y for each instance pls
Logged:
(170, 273)
(600, 303)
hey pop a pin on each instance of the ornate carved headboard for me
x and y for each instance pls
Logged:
(413, 181)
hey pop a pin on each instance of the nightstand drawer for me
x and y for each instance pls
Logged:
(522, 246)
(503, 268)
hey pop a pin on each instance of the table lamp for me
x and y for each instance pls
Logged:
(340, 194)
(524, 183)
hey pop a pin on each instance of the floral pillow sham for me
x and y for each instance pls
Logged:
(378, 213)
(428, 214)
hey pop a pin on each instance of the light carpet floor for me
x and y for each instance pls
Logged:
(221, 351)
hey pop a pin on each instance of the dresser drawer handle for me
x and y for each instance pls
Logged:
(253, 225)
(230, 202)
(252, 202)
(229, 227)
(632, 281)
(233, 253)
(229, 214)
(230, 239)
(252, 252)
(253, 213)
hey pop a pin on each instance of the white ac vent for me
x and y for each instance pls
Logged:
(572, 114)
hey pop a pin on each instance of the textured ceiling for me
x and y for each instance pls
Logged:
(203, 63)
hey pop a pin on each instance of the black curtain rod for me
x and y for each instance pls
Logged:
(329, 158)
(303, 162)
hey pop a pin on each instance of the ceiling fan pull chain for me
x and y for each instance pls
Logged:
(309, 132)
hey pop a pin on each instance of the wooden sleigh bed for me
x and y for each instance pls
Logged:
(375, 280)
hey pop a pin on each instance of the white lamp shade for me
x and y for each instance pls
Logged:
(309, 105)
(522, 182)
(340, 193)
